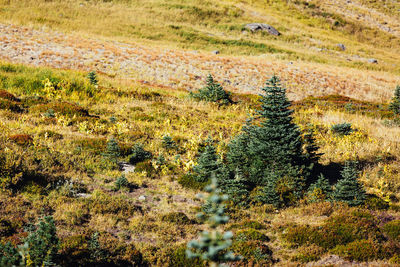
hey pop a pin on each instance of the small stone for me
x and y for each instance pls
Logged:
(262, 27)
(142, 198)
(342, 46)
(215, 52)
(373, 61)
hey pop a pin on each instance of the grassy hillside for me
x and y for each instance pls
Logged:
(310, 30)
(55, 130)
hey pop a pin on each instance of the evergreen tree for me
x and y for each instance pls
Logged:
(271, 147)
(311, 148)
(213, 246)
(395, 104)
(9, 255)
(348, 189)
(207, 164)
(96, 252)
(321, 190)
(41, 246)
(213, 92)
(113, 150)
(139, 154)
(92, 76)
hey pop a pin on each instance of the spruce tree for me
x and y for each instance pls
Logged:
(395, 104)
(213, 246)
(92, 76)
(321, 190)
(213, 92)
(271, 144)
(113, 151)
(41, 245)
(348, 189)
(9, 255)
(208, 164)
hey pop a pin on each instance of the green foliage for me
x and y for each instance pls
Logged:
(340, 229)
(92, 76)
(392, 230)
(168, 142)
(121, 182)
(213, 246)
(308, 253)
(113, 150)
(41, 245)
(395, 104)
(348, 189)
(96, 252)
(188, 181)
(253, 250)
(207, 164)
(269, 151)
(359, 250)
(376, 203)
(321, 190)
(213, 92)
(9, 255)
(342, 128)
(139, 154)
(177, 257)
(177, 218)
(251, 234)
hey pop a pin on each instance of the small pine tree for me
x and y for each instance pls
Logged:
(321, 190)
(168, 142)
(395, 104)
(139, 154)
(207, 164)
(213, 246)
(113, 151)
(121, 182)
(9, 255)
(348, 189)
(96, 252)
(311, 148)
(213, 92)
(42, 244)
(92, 76)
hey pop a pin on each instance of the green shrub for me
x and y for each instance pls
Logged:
(213, 92)
(121, 182)
(248, 224)
(9, 255)
(339, 229)
(308, 253)
(342, 128)
(392, 230)
(41, 245)
(253, 250)
(359, 250)
(139, 154)
(375, 203)
(113, 151)
(147, 167)
(62, 108)
(251, 234)
(168, 142)
(188, 181)
(177, 218)
(177, 257)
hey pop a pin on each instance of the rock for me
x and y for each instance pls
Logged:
(142, 198)
(373, 61)
(126, 167)
(262, 27)
(342, 46)
(215, 52)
